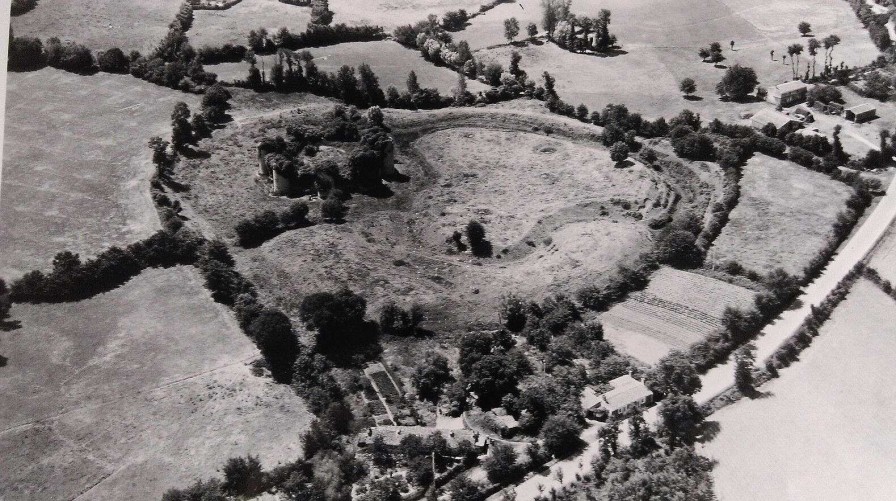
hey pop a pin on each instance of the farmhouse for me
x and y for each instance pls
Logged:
(776, 118)
(860, 113)
(392, 436)
(627, 394)
(788, 94)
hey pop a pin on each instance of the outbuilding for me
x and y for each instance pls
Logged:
(788, 94)
(860, 113)
(776, 118)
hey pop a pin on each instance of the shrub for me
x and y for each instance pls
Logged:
(243, 477)
(561, 435)
(332, 209)
(26, 54)
(113, 61)
(19, 7)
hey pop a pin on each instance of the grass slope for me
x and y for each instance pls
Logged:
(218, 27)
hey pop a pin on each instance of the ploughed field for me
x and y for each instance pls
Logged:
(783, 217)
(678, 308)
(558, 212)
(130, 392)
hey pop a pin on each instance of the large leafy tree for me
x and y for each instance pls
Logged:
(738, 82)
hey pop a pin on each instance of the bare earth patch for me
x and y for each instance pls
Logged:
(825, 430)
(76, 165)
(784, 216)
(100, 24)
(677, 309)
(133, 391)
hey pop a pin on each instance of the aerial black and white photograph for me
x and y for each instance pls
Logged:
(448, 250)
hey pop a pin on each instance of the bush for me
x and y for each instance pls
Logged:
(243, 477)
(71, 56)
(19, 7)
(332, 209)
(561, 435)
(26, 54)
(113, 61)
(678, 248)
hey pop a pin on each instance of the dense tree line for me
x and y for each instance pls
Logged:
(19, 7)
(876, 24)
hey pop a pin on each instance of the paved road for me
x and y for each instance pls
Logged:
(718, 379)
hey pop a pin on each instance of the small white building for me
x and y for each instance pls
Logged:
(627, 393)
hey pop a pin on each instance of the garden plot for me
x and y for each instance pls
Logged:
(826, 421)
(677, 309)
(100, 24)
(783, 218)
(128, 393)
(75, 164)
(219, 27)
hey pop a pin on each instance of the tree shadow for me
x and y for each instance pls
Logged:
(175, 186)
(754, 394)
(611, 53)
(720, 66)
(693, 98)
(707, 431)
(10, 325)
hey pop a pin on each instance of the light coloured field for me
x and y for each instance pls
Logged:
(131, 392)
(783, 218)
(100, 24)
(883, 259)
(75, 164)
(677, 309)
(392, 13)
(659, 48)
(389, 60)
(218, 27)
(825, 430)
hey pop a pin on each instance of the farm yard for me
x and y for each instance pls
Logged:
(677, 309)
(218, 27)
(389, 61)
(106, 397)
(783, 218)
(76, 165)
(100, 24)
(823, 431)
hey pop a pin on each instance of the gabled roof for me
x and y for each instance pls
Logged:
(626, 390)
(788, 87)
(776, 118)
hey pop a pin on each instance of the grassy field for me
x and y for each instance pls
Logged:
(389, 60)
(545, 202)
(659, 48)
(824, 431)
(100, 24)
(676, 309)
(217, 27)
(392, 13)
(885, 255)
(133, 391)
(784, 216)
(76, 165)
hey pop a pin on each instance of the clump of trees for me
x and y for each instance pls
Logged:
(321, 13)
(401, 322)
(264, 226)
(576, 33)
(712, 54)
(337, 318)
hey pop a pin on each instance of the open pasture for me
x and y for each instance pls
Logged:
(783, 218)
(389, 60)
(824, 429)
(677, 309)
(75, 164)
(392, 13)
(132, 391)
(546, 201)
(100, 24)
(659, 42)
(218, 27)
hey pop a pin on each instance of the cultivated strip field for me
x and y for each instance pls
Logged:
(677, 309)
(783, 218)
(389, 60)
(825, 430)
(76, 165)
(218, 27)
(132, 391)
(100, 24)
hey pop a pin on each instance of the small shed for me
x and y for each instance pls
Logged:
(860, 113)
(788, 94)
(776, 118)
